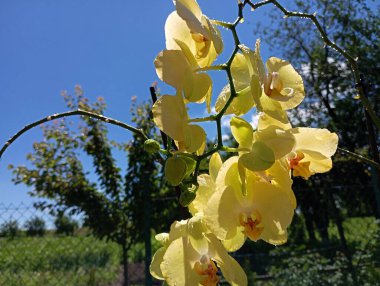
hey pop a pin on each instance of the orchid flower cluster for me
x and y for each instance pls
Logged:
(249, 196)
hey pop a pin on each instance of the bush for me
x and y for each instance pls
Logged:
(35, 227)
(10, 229)
(65, 225)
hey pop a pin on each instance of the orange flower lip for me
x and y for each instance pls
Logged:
(252, 225)
(209, 270)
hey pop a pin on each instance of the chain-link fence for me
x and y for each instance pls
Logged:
(35, 251)
(332, 241)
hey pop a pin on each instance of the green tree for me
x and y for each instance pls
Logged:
(64, 224)
(35, 226)
(113, 206)
(10, 229)
(330, 97)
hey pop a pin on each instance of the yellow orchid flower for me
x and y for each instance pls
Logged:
(259, 149)
(273, 89)
(170, 116)
(263, 213)
(189, 25)
(191, 256)
(312, 150)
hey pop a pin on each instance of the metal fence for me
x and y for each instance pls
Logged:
(44, 257)
(329, 244)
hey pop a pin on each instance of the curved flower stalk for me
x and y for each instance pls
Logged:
(264, 212)
(190, 255)
(249, 195)
(170, 116)
(241, 76)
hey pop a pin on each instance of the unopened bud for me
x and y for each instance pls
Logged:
(151, 146)
(188, 194)
(175, 170)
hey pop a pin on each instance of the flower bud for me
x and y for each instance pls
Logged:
(151, 146)
(188, 194)
(175, 170)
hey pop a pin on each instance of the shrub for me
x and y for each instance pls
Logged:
(35, 226)
(10, 229)
(65, 225)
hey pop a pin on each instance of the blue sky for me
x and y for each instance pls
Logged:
(107, 47)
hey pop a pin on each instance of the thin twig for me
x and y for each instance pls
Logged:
(72, 113)
(359, 157)
(352, 60)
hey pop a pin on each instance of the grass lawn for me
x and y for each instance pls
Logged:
(53, 260)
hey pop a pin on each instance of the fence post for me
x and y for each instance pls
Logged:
(147, 226)
(125, 264)
(342, 237)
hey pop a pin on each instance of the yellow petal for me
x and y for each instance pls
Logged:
(318, 143)
(242, 132)
(222, 213)
(163, 238)
(178, 263)
(189, 11)
(169, 114)
(260, 158)
(228, 175)
(155, 265)
(231, 270)
(216, 37)
(187, 52)
(244, 102)
(250, 60)
(235, 243)
(240, 105)
(205, 190)
(281, 142)
(290, 79)
(280, 174)
(214, 165)
(177, 30)
(171, 67)
(198, 88)
(222, 100)
(259, 64)
(275, 208)
(240, 71)
(266, 121)
(317, 165)
(267, 105)
(195, 136)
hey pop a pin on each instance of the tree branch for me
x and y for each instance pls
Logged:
(67, 114)
(353, 61)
